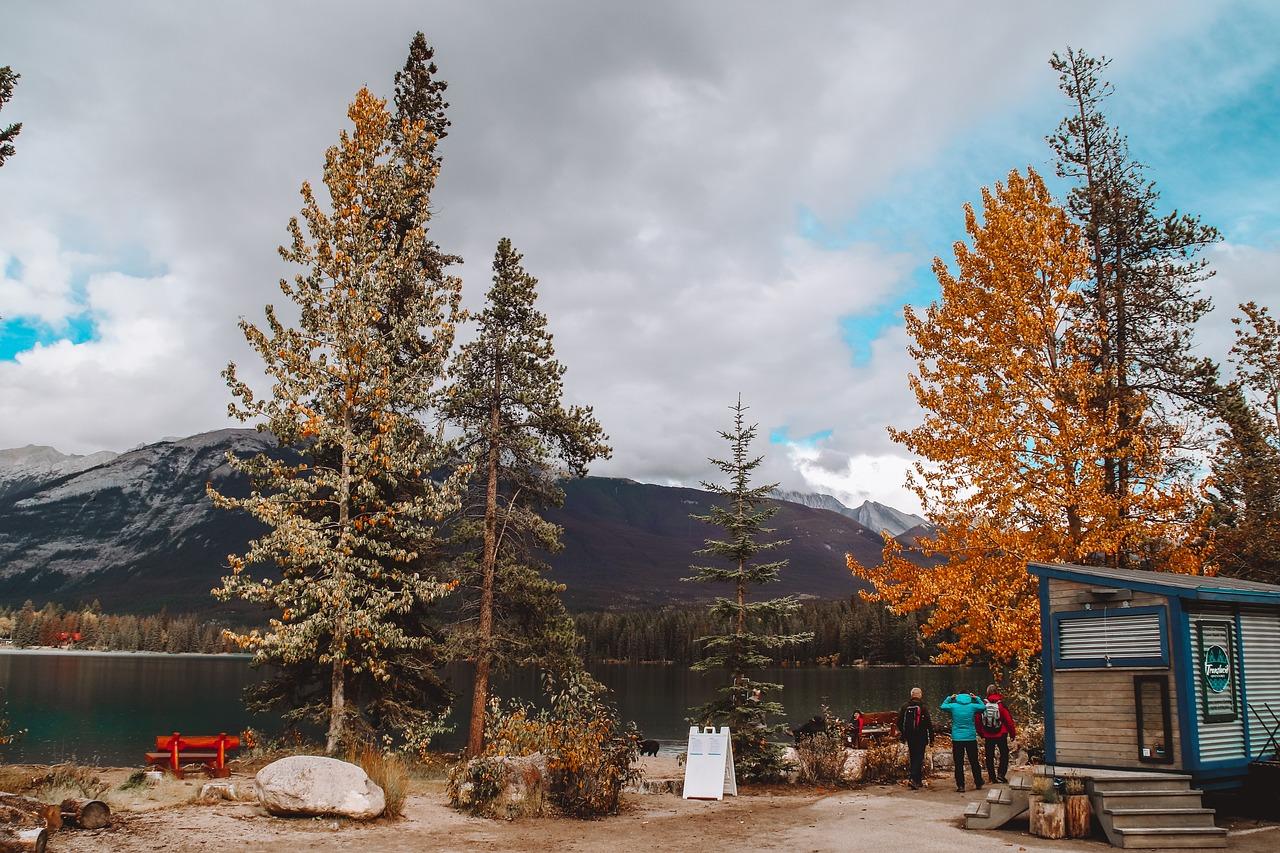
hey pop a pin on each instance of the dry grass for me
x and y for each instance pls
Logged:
(388, 771)
(822, 759)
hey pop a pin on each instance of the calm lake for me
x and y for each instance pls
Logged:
(108, 707)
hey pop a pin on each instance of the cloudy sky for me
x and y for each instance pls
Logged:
(717, 197)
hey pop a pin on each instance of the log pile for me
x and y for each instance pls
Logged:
(25, 822)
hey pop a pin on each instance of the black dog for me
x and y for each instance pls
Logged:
(815, 726)
(649, 747)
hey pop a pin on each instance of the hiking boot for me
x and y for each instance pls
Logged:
(959, 789)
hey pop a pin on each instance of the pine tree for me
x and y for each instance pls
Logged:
(1142, 295)
(506, 400)
(351, 517)
(8, 79)
(748, 643)
(1245, 481)
(407, 702)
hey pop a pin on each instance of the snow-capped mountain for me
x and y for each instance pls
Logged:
(25, 467)
(870, 514)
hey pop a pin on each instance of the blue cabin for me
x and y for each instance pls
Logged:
(1159, 671)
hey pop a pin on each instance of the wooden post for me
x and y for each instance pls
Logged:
(23, 840)
(222, 753)
(85, 814)
(173, 756)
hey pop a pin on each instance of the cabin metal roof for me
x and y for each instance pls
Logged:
(1196, 587)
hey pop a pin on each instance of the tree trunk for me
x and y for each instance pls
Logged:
(85, 814)
(484, 651)
(23, 840)
(49, 814)
(337, 681)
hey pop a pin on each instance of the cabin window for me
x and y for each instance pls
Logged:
(1127, 636)
(1215, 656)
(1155, 725)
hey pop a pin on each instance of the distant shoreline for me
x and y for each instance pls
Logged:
(6, 649)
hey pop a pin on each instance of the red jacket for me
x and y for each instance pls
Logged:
(1006, 720)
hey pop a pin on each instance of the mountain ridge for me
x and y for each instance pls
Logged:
(137, 532)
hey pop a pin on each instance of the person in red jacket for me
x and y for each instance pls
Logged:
(995, 724)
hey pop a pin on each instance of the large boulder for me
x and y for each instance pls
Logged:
(310, 785)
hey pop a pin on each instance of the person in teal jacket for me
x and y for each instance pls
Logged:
(964, 708)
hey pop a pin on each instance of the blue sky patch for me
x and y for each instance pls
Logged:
(23, 333)
(781, 435)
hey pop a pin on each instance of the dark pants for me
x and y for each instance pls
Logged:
(992, 744)
(960, 749)
(915, 751)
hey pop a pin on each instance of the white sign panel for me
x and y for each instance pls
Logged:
(708, 767)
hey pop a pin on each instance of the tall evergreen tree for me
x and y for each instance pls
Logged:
(8, 79)
(748, 642)
(1143, 292)
(519, 437)
(351, 520)
(1245, 482)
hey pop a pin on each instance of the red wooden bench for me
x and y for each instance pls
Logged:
(175, 750)
(878, 725)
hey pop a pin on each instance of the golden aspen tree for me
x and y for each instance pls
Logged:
(1013, 441)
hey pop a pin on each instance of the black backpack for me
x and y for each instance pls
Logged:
(913, 717)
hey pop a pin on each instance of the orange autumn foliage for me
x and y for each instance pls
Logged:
(1016, 426)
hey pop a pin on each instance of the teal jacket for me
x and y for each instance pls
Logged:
(963, 709)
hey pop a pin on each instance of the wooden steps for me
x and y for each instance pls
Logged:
(1002, 804)
(1153, 810)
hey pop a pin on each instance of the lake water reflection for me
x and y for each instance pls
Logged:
(108, 707)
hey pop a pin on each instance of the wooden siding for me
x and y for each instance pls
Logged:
(1095, 718)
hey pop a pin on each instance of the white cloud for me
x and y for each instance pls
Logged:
(649, 159)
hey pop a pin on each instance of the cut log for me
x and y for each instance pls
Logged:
(85, 814)
(23, 840)
(51, 814)
(1079, 816)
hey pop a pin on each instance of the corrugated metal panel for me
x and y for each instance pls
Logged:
(1260, 636)
(1223, 740)
(1107, 635)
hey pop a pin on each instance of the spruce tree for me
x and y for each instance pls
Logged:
(8, 79)
(519, 438)
(1244, 488)
(1143, 292)
(351, 510)
(749, 641)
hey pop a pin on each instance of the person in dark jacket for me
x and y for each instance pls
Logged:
(995, 737)
(915, 729)
(963, 708)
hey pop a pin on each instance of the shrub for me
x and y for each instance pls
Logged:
(137, 779)
(387, 770)
(1075, 786)
(884, 762)
(1031, 738)
(589, 752)
(822, 758)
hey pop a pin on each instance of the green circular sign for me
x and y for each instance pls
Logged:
(1217, 668)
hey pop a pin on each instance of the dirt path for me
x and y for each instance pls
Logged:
(885, 818)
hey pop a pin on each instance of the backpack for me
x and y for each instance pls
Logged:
(911, 722)
(991, 716)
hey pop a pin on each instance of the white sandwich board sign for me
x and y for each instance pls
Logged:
(708, 767)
